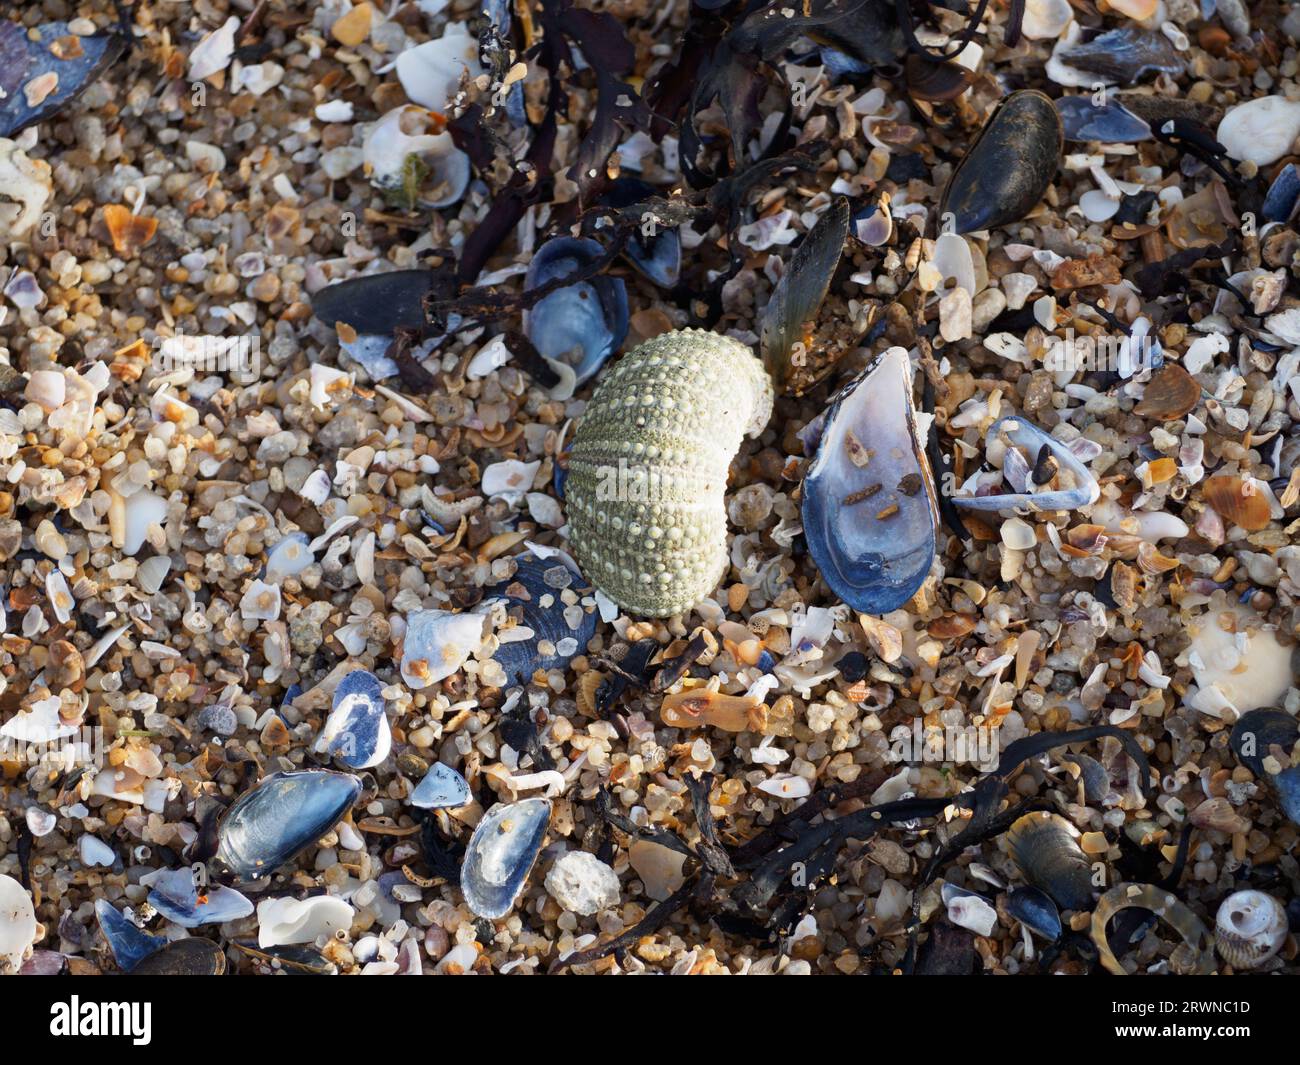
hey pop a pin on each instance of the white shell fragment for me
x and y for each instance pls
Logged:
(1238, 664)
(288, 558)
(283, 922)
(141, 509)
(430, 72)
(1081, 490)
(437, 644)
(18, 927)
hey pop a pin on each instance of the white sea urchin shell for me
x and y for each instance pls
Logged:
(648, 468)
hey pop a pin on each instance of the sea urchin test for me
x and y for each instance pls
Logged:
(648, 468)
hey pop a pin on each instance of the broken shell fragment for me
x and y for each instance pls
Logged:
(18, 927)
(173, 893)
(441, 789)
(501, 854)
(1249, 928)
(280, 817)
(436, 645)
(356, 731)
(286, 921)
(1072, 486)
(408, 155)
(645, 494)
(1008, 168)
(1239, 501)
(869, 510)
(128, 942)
(696, 708)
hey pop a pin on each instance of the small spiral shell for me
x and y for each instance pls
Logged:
(648, 468)
(1249, 928)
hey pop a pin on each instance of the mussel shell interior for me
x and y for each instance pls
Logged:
(500, 855)
(583, 323)
(875, 564)
(22, 59)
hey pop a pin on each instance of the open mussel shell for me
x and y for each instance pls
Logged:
(1025, 441)
(654, 251)
(280, 817)
(1008, 168)
(357, 732)
(185, 957)
(791, 313)
(130, 945)
(77, 62)
(173, 893)
(1253, 739)
(1036, 911)
(544, 597)
(500, 855)
(869, 510)
(1048, 856)
(580, 324)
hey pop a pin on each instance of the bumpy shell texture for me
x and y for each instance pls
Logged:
(648, 468)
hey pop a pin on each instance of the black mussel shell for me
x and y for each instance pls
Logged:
(1008, 168)
(22, 59)
(799, 294)
(280, 817)
(534, 597)
(1036, 911)
(376, 303)
(185, 957)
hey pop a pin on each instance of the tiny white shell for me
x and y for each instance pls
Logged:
(316, 488)
(261, 602)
